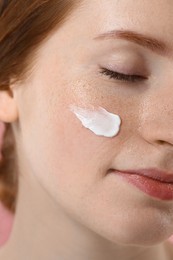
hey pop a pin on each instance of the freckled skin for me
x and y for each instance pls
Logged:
(83, 212)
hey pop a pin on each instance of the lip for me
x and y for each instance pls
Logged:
(154, 182)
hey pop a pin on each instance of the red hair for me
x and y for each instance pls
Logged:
(24, 25)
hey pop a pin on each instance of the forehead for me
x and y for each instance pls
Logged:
(94, 17)
(153, 17)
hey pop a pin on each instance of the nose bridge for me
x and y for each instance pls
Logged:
(156, 118)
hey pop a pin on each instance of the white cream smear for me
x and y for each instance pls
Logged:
(100, 121)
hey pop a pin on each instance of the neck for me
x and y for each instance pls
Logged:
(43, 230)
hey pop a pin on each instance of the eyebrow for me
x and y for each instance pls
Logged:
(150, 43)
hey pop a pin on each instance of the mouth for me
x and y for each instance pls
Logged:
(155, 183)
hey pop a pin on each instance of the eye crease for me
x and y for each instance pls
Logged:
(122, 77)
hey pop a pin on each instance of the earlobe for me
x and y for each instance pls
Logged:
(8, 106)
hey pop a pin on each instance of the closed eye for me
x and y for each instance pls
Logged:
(122, 77)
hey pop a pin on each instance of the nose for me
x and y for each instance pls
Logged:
(156, 119)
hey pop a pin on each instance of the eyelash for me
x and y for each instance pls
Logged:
(122, 77)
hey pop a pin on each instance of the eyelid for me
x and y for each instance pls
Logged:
(130, 78)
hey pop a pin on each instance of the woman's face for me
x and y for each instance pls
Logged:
(71, 162)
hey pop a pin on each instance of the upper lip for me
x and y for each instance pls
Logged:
(153, 173)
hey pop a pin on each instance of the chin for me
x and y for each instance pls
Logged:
(135, 232)
(140, 240)
(140, 236)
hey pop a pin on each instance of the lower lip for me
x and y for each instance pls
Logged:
(154, 188)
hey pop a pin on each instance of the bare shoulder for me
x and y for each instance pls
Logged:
(169, 249)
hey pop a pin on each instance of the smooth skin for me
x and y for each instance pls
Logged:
(69, 206)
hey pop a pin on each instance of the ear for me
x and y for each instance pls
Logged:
(8, 106)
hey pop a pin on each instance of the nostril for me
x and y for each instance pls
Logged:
(161, 141)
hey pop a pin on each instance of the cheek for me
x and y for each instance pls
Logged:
(65, 157)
